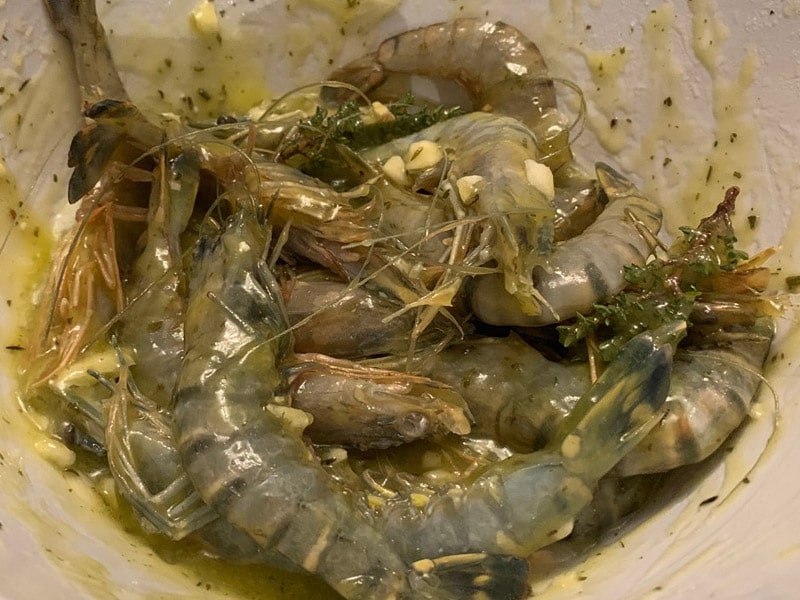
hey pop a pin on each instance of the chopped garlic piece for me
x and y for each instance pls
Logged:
(423, 155)
(419, 500)
(107, 488)
(571, 446)
(382, 113)
(204, 18)
(395, 171)
(469, 188)
(540, 177)
(563, 531)
(104, 362)
(375, 502)
(295, 420)
(55, 452)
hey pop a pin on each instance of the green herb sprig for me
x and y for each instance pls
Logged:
(665, 289)
(324, 144)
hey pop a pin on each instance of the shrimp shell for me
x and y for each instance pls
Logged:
(711, 392)
(583, 270)
(246, 461)
(496, 148)
(528, 501)
(501, 69)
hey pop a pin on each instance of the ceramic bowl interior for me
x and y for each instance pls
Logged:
(687, 98)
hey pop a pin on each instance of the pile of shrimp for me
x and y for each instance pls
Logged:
(398, 348)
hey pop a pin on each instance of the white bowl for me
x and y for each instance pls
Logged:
(731, 70)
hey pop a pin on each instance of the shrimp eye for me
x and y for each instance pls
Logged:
(413, 425)
(200, 445)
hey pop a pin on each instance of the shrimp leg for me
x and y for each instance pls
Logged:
(146, 465)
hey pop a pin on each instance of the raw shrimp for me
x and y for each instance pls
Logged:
(496, 148)
(368, 408)
(243, 450)
(516, 396)
(141, 454)
(500, 68)
(244, 460)
(341, 320)
(584, 270)
(712, 389)
(519, 398)
(720, 373)
(718, 370)
(151, 324)
(357, 265)
(530, 500)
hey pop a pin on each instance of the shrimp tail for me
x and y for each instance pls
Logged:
(474, 576)
(118, 132)
(642, 371)
(113, 120)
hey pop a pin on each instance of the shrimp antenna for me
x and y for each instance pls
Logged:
(644, 231)
(575, 128)
(577, 125)
(359, 281)
(95, 195)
